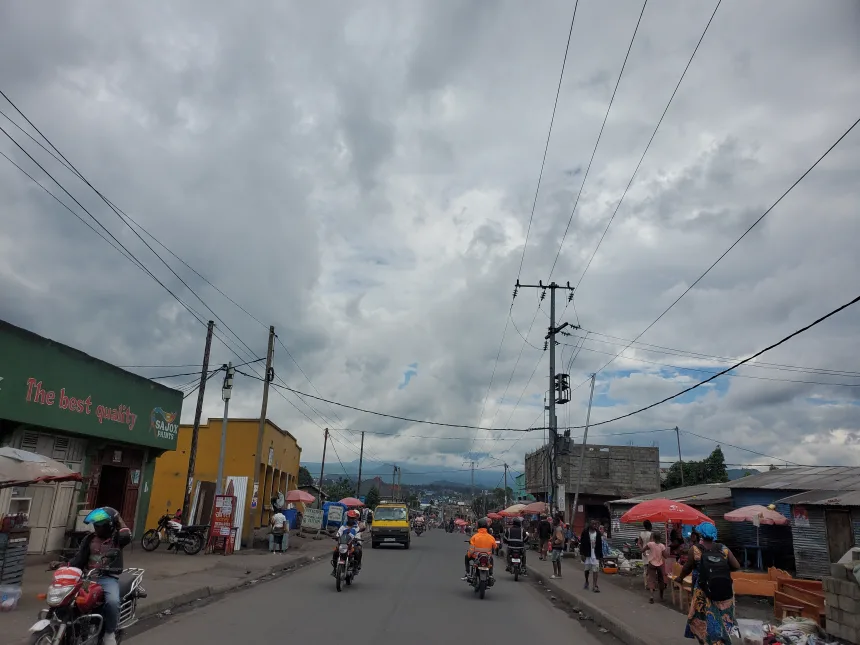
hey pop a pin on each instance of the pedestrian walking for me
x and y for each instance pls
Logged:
(712, 611)
(544, 534)
(642, 542)
(591, 552)
(655, 574)
(557, 547)
(278, 525)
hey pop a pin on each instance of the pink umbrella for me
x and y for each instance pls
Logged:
(299, 496)
(351, 502)
(756, 514)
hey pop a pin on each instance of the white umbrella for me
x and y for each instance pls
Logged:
(21, 468)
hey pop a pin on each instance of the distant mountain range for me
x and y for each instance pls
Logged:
(412, 474)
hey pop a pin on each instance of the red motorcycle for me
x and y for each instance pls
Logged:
(74, 602)
(345, 570)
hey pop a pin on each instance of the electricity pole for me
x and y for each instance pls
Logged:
(399, 484)
(582, 453)
(472, 464)
(226, 393)
(322, 468)
(360, 461)
(506, 485)
(554, 384)
(195, 432)
(393, 484)
(257, 514)
(680, 461)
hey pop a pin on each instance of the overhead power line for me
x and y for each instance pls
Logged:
(648, 145)
(737, 241)
(706, 371)
(728, 369)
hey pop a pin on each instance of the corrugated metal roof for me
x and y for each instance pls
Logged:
(842, 478)
(698, 494)
(825, 498)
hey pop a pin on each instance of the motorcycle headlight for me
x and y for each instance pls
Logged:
(343, 548)
(58, 593)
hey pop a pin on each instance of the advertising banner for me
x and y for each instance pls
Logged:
(47, 384)
(312, 518)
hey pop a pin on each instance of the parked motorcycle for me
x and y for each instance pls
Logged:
(479, 576)
(75, 600)
(518, 565)
(190, 538)
(345, 570)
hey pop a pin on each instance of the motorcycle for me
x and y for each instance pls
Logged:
(190, 538)
(518, 566)
(479, 576)
(345, 570)
(419, 529)
(75, 600)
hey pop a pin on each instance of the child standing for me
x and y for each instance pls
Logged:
(654, 572)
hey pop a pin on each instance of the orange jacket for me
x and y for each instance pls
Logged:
(481, 541)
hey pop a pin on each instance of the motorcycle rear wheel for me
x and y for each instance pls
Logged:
(150, 540)
(482, 589)
(194, 545)
(516, 573)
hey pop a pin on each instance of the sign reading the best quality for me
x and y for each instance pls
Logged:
(51, 385)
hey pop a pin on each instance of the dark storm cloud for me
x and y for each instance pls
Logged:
(363, 177)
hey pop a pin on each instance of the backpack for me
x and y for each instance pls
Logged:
(715, 574)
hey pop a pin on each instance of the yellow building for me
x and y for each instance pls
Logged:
(278, 469)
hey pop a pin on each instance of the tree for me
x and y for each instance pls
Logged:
(412, 501)
(371, 500)
(305, 478)
(711, 470)
(338, 490)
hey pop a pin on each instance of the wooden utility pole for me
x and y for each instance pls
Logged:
(582, 453)
(360, 461)
(506, 485)
(322, 469)
(195, 432)
(680, 461)
(257, 513)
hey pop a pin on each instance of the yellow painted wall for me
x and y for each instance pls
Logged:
(171, 468)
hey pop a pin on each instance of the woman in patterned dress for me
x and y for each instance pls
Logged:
(709, 622)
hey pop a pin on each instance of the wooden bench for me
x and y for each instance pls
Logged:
(803, 598)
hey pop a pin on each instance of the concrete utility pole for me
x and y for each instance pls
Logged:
(554, 383)
(226, 393)
(322, 469)
(680, 461)
(257, 514)
(360, 461)
(195, 432)
(582, 452)
(472, 493)
(399, 484)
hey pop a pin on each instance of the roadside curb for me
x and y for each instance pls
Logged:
(187, 597)
(618, 627)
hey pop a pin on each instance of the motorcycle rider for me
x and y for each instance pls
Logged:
(515, 537)
(354, 529)
(482, 542)
(109, 533)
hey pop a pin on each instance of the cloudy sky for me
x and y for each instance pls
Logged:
(362, 175)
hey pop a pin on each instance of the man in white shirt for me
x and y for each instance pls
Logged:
(279, 530)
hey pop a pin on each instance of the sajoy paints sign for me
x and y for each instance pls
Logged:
(50, 385)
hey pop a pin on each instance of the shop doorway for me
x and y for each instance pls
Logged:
(840, 535)
(112, 487)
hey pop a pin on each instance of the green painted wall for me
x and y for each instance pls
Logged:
(48, 384)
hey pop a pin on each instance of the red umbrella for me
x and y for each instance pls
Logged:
(664, 510)
(349, 502)
(299, 496)
(494, 516)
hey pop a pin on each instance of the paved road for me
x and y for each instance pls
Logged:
(400, 597)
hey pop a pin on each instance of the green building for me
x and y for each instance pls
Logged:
(98, 419)
(520, 494)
